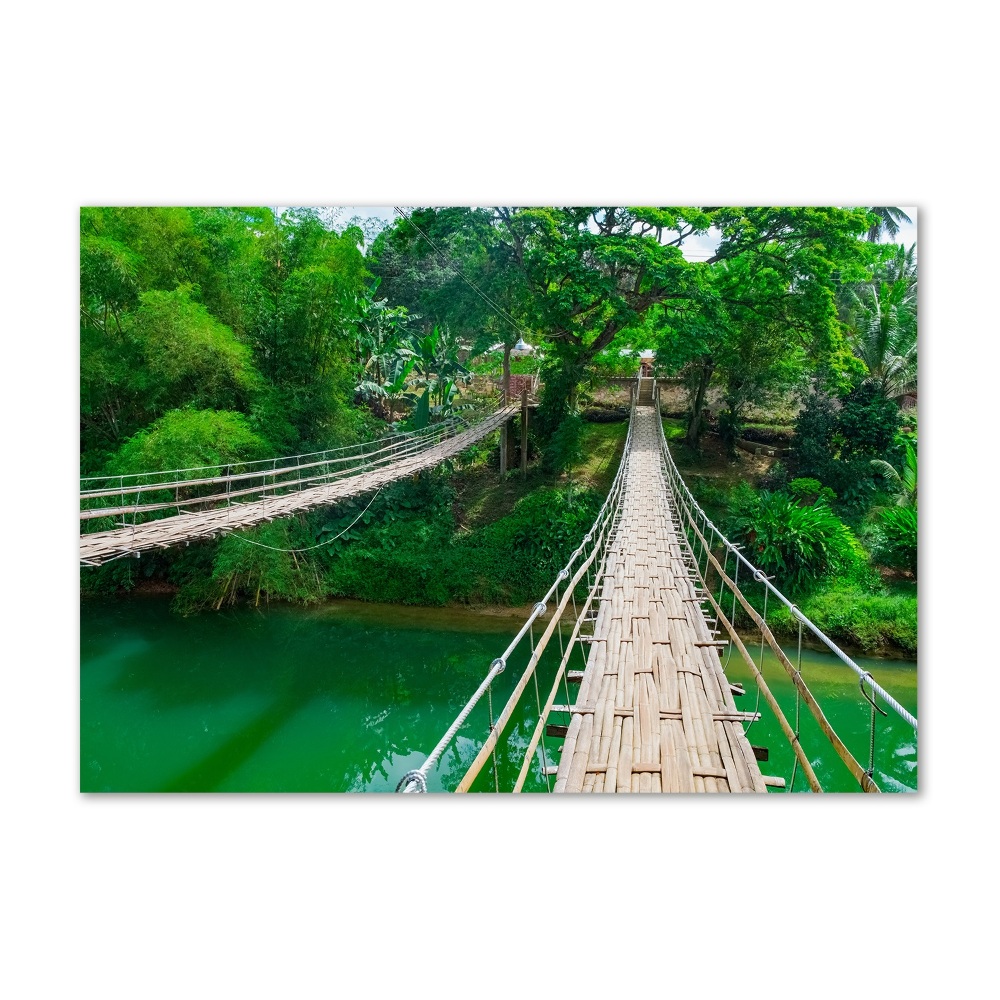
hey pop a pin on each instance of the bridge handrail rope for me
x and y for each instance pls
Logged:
(596, 540)
(493, 402)
(266, 466)
(675, 478)
(684, 501)
(274, 498)
(269, 477)
(391, 448)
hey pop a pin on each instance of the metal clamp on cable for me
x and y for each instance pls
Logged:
(869, 697)
(499, 664)
(539, 609)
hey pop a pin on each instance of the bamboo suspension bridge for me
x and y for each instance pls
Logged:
(215, 500)
(654, 710)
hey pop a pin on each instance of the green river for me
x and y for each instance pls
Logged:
(348, 697)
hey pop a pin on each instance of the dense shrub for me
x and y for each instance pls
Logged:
(813, 440)
(893, 538)
(867, 423)
(852, 616)
(254, 567)
(776, 477)
(810, 490)
(797, 544)
(835, 441)
(549, 523)
(183, 439)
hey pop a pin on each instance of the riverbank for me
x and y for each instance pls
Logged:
(496, 619)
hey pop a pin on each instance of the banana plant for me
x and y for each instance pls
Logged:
(381, 343)
(438, 376)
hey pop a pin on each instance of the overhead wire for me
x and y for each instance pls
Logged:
(499, 310)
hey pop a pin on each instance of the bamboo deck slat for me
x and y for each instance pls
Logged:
(655, 711)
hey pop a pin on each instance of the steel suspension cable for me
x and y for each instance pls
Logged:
(416, 780)
(793, 610)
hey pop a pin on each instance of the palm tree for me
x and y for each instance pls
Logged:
(885, 324)
(886, 220)
(902, 266)
(882, 313)
(904, 479)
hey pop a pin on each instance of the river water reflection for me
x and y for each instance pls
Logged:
(347, 697)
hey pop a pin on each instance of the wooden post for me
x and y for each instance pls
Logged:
(524, 432)
(503, 449)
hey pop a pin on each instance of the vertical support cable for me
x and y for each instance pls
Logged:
(760, 578)
(531, 637)
(496, 777)
(722, 582)
(871, 700)
(798, 704)
(541, 742)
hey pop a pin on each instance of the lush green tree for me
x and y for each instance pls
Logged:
(167, 250)
(777, 269)
(588, 276)
(231, 245)
(167, 352)
(449, 269)
(232, 309)
(836, 440)
(758, 363)
(185, 439)
(301, 326)
(592, 273)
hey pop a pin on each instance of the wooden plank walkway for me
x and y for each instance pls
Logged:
(655, 712)
(101, 546)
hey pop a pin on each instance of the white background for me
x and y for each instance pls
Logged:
(160, 896)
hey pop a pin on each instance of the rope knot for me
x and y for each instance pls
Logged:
(412, 780)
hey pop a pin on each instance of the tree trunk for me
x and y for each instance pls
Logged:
(507, 437)
(694, 425)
